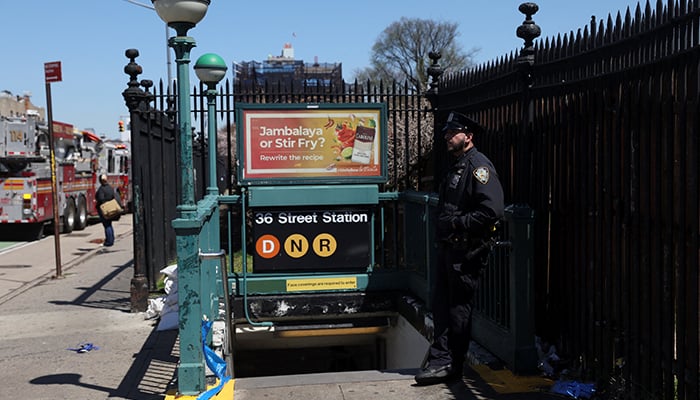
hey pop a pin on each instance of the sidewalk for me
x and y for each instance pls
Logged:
(25, 264)
(42, 318)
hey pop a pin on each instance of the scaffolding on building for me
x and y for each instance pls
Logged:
(285, 72)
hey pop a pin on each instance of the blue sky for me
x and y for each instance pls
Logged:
(89, 37)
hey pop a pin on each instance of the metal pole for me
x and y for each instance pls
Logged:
(191, 379)
(182, 45)
(169, 59)
(54, 189)
(211, 124)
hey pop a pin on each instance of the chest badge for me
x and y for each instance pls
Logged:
(482, 174)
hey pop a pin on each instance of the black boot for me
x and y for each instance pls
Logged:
(432, 375)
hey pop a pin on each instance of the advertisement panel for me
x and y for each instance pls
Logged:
(304, 143)
(311, 239)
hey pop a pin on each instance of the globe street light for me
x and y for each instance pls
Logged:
(210, 69)
(182, 15)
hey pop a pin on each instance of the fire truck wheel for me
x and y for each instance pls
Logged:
(69, 217)
(82, 217)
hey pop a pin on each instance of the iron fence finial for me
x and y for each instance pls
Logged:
(528, 31)
(435, 71)
(133, 95)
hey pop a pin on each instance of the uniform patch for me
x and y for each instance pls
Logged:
(482, 174)
(455, 178)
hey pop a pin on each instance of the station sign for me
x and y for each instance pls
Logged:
(311, 239)
(52, 72)
(310, 143)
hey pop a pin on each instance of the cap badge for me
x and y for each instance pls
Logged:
(482, 175)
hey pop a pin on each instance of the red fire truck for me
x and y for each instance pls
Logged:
(26, 200)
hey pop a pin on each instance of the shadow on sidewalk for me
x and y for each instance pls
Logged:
(105, 294)
(154, 369)
(150, 376)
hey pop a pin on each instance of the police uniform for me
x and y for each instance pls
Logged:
(470, 202)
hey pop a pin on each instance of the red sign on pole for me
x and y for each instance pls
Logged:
(52, 72)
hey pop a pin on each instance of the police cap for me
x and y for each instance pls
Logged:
(461, 122)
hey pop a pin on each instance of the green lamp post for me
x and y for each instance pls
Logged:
(210, 69)
(182, 15)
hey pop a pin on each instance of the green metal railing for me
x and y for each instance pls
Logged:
(504, 318)
(504, 321)
(199, 288)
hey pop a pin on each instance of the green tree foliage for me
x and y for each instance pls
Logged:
(401, 52)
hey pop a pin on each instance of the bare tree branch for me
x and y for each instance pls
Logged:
(401, 52)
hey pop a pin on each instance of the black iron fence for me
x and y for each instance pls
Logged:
(599, 135)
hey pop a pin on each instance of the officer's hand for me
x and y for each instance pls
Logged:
(449, 223)
(445, 224)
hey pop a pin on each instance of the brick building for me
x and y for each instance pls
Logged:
(19, 106)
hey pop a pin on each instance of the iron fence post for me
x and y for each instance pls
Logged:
(520, 219)
(527, 31)
(137, 101)
(435, 71)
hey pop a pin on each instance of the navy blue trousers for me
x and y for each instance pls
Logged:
(453, 302)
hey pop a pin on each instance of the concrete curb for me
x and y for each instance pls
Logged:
(51, 275)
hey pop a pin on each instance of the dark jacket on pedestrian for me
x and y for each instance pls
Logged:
(104, 194)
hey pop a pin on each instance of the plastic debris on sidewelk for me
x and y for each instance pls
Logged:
(574, 389)
(84, 348)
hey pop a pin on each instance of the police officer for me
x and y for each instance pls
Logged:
(470, 203)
